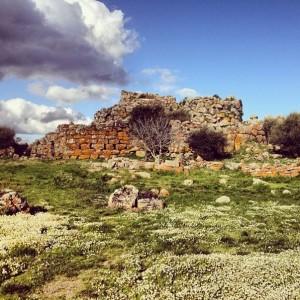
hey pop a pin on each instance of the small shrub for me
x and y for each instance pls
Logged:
(268, 124)
(286, 134)
(216, 96)
(207, 143)
(262, 188)
(22, 250)
(145, 112)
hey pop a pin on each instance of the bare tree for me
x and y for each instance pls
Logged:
(151, 125)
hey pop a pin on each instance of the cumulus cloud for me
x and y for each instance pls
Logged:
(78, 40)
(187, 92)
(167, 78)
(30, 118)
(70, 95)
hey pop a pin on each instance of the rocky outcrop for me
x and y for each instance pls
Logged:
(11, 203)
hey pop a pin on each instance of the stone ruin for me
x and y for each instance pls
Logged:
(108, 135)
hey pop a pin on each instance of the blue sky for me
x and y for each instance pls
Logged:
(249, 49)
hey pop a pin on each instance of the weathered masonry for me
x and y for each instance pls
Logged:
(109, 135)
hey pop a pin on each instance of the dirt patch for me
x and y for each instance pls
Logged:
(62, 288)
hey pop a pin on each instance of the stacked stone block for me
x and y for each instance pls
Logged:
(83, 142)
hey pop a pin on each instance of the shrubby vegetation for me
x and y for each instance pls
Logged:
(195, 248)
(207, 143)
(284, 132)
(7, 137)
(152, 126)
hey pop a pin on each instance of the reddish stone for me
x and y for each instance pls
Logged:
(88, 152)
(121, 146)
(84, 157)
(85, 146)
(109, 147)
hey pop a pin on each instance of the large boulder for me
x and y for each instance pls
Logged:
(124, 197)
(11, 203)
(129, 198)
(149, 200)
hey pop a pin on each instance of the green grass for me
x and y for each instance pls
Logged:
(127, 255)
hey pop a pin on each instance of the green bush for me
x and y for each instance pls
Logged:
(268, 125)
(207, 143)
(7, 137)
(286, 134)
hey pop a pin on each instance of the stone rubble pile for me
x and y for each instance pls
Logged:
(180, 164)
(11, 203)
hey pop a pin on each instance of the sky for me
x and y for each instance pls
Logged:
(63, 60)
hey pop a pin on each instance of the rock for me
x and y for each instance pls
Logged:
(164, 193)
(199, 159)
(232, 166)
(143, 174)
(140, 153)
(223, 200)
(129, 198)
(135, 165)
(125, 197)
(286, 192)
(265, 155)
(148, 200)
(15, 157)
(112, 180)
(188, 182)
(149, 165)
(171, 163)
(223, 181)
(155, 191)
(11, 203)
(215, 165)
(257, 181)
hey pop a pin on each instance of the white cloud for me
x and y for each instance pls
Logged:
(78, 40)
(30, 118)
(70, 95)
(187, 92)
(167, 78)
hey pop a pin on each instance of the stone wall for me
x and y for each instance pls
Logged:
(212, 110)
(119, 113)
(236, 135)
(202, 110)
(108, 135)
(83, 142)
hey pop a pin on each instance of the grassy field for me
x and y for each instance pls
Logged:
(193, 249)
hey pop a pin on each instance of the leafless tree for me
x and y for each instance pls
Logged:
(152, 126)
